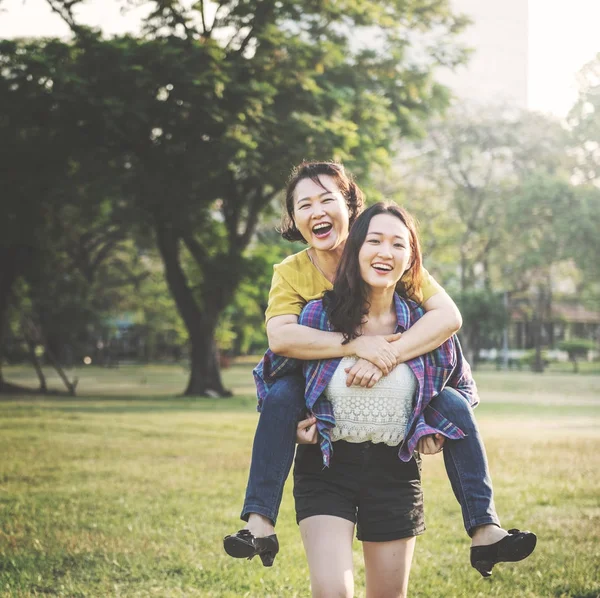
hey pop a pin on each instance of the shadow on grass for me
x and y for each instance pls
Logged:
(8, 391)
(129, 404)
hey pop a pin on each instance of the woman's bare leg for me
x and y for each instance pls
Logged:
(387, 567)
(328, 545)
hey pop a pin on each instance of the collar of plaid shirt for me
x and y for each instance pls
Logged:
(445, 366)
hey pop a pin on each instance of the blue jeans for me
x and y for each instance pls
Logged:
(274, 446)
(466, 462)
(275, 443)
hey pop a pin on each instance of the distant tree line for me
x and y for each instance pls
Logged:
(510, 203)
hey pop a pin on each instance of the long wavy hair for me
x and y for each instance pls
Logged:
(312, 170)
(348, 303)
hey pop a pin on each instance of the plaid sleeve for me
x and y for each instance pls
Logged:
(449, 354)
(462, 378)
(272, 366)
(269, 369)
(314, 315)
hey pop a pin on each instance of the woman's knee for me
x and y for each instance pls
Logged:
(286, 393)
(454, 407)
(329, 590)
(331, 580)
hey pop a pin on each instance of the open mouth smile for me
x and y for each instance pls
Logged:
(322, 229)
(382, 268)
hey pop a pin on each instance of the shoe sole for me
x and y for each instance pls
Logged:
(523, 549)
(237, 548)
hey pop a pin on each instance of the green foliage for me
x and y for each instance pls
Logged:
(192, 127)
(465, 183)
(577, 348)
(529, 359)
(485, 307)
(584, 122)
(484, 317)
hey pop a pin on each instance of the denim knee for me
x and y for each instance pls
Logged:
(455, 408)
(286, 395)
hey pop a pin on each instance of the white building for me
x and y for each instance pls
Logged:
(497, 71)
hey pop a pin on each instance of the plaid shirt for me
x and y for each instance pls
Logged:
(445, 366)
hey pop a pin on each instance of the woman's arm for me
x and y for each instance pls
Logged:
(290, 339)
(441, 320)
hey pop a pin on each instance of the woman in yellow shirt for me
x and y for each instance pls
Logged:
(322, 202)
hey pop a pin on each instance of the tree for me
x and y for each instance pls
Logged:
(244, 318)
(206, 113)
(34, 161)
(486, 316)
(576, 348)
(463, 174)
(492, 189)
(584, 123)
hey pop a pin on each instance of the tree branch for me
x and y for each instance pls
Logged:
(198, 252)
(260, 201)
(101, 255)
(262, 13)
(216, 22)
(205, 31)
(64, 9)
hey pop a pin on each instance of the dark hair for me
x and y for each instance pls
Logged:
(312, 170)
(347, 303)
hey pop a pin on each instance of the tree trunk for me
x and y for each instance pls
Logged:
(463, 270)
(538, 322)
(538, 363)
(71, 386)
(12, 259)
(469, 345)
(37, 366)
(205, 375)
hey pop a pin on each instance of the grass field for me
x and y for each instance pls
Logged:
(127, 490)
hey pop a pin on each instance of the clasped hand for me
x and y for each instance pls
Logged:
(377, 358)
(306, 432)
(431, 444)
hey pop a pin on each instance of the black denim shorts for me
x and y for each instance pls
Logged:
(365, 483)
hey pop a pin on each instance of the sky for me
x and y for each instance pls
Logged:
(563, 36)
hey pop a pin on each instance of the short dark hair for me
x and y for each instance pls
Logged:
(312, 170)
(347, 303)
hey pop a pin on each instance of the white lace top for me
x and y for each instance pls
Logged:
(378, 414)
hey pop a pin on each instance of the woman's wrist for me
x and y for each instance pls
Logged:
(397, 348)
(351, 348)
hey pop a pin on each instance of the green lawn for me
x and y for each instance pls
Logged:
(127, 490)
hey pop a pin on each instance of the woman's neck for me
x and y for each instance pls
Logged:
(326, 261)
(381, 303)
(381, 318)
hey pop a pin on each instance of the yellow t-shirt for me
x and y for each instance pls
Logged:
(296, 281)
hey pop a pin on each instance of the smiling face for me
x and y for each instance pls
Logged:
(320, 213)
(385, 254)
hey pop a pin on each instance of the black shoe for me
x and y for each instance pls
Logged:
(516, 546)
(243, 545)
